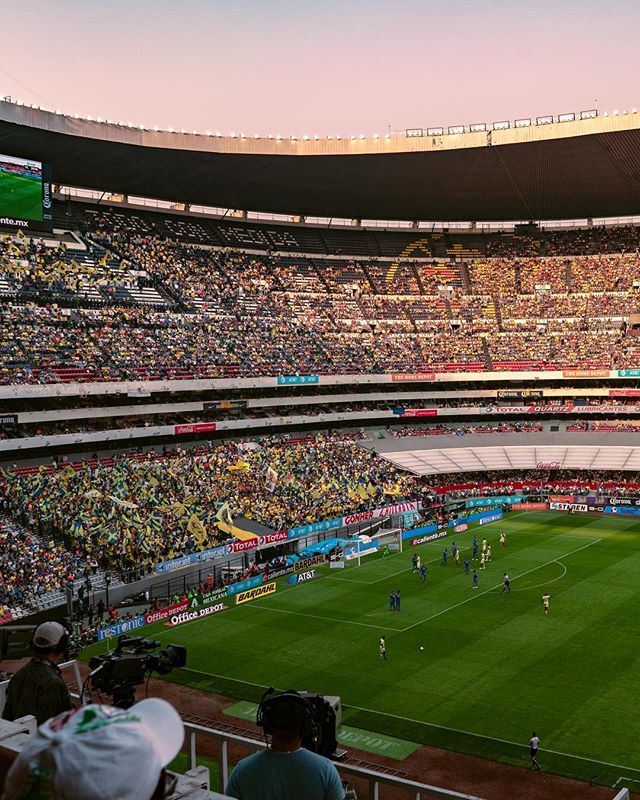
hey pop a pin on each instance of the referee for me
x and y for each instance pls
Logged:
(38, 688)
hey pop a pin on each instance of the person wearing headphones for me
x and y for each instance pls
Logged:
(285, 770)
(37, 688)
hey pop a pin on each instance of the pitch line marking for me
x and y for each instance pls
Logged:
(545, 583)
(491, 738)
(497, 586)
(317, 616)
(435, 725)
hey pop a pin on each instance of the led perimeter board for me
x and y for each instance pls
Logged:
(25, 194)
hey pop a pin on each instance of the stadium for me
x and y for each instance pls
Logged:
(353, 416)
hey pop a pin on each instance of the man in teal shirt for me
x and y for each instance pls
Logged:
(285, 770)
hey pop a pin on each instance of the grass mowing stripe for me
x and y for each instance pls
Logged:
(497, 586)
(423, 723)
(266, 607)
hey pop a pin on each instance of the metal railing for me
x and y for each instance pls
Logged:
(375, 781)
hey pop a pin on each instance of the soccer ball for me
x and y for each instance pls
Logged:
(422, 648)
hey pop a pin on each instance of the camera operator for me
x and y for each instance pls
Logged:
(285, 771)
(100, 753)
(38, 687)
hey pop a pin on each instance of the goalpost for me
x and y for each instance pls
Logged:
(391, 538)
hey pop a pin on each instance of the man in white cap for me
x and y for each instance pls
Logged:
(99, 753)
(38, 688)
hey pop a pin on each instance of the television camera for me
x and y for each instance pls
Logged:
(119, 672)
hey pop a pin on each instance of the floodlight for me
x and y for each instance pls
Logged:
(615, 113)
(414, 132)
(544, 120)
(566, 117)
(501, 125)
(590, 114)
(478, 127)
(522, 123)
(455, 129)
(362, 136)
(435, 131)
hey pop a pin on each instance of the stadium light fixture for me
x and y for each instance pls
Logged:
(352, 137)
(453, 130)
(546, 120)
(170, 130)
(606, 114)
(522, 123)
(375, 136)
(501, 125)
(256, 135)
(478, 127)
(208, 133)
(306, 137)
(362, 136)
(634, 110)
(435, 131)
(315, 137)
(409, 132)
(615, 113)
(279, 137)
(592, 113)
(156, 128)
(566, 117)
(232, 135)
(218, 133)
(338, 136)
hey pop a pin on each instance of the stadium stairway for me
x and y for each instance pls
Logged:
(487, 354)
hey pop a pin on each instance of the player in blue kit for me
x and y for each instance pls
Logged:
(474, 580)
(467, 565)
(445, 555)
(423, 573)
(475, 548)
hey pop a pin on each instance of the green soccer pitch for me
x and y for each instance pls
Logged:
(20, 197)
(494, 667)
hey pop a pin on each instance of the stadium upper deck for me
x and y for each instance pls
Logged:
(564, 170)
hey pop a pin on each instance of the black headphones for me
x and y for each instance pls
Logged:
(304, 711)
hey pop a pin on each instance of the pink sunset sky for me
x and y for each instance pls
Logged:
(295, 68)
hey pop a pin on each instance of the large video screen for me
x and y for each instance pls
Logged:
(25, 193)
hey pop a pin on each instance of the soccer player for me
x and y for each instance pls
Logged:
(484, 545)
(383, 649)
(397, 599)
(545, 602)
(392, 601)
(423, 573)
(456, 557)
(506, 583)
(502, 538)
(488, 552)
(453, 549)
(467, 565)
(445, 555)
(474, 580)
(418, 562)
(475, 548)
(414, 562)
(482, 560)
(534, 743)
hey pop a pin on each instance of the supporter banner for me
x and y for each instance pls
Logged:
(301, 577)
(419, 412)
(490, 518)
(494, 501)
(273, 538)
(568, 506)
(126, 626)
(288, 380)
(520, 394)
(461, 528)
(190, 616)
(629, 373)
(305, 563)
(624, 392)
(533, 506)
(588, 373)
(165, 613)
(257, 592)
(197, 427)
(377, 513)
(242, 586)
(355, 550)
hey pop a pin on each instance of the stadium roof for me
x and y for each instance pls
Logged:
(565, 170)
(432, 455)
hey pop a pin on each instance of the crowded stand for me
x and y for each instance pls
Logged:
(141, 510)
(134, 305)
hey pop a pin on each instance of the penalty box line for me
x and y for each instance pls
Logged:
(497, 586)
